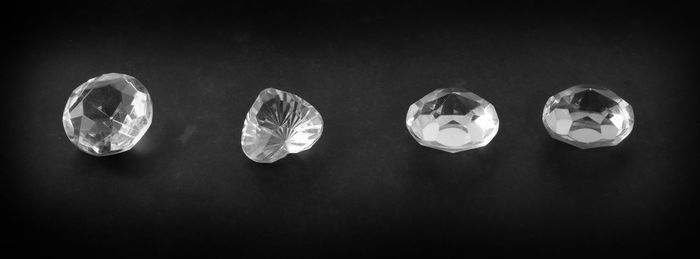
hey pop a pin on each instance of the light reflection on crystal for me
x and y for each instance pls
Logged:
(108, 114)
(277, 124)
(452, 120)
(588, 116)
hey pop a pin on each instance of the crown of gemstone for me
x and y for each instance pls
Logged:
(588, 116)
(452, 120)
(108, 114)
(277, 124)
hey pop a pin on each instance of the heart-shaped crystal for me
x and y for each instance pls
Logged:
(277, 124)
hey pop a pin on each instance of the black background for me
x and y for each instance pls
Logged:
(366, 187)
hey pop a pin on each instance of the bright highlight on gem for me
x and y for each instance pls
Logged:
(452, 120)
(277, 124)
(588, 116)
(108, 114)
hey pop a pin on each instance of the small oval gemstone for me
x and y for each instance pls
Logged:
(108, 114)
(277, 124)
(588, 116)
(452, 120)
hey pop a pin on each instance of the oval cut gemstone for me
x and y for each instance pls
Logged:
(108, 114)
(452, 120)
(588, 116)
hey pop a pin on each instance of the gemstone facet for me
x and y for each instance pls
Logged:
(108, 114)
(588, 116)
(452, 120)
(277, 124)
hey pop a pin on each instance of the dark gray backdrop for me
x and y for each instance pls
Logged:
(366, 187)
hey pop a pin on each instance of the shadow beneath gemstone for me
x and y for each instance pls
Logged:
(127, 164)
(145, 157)
(569, 161)
(596, 178)
(451, 172)
(585, 174)
(289, 173)
(140, 160)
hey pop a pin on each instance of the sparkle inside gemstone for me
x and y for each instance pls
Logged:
(108, 114)
(452, 120)
(588, 116)
(277, 124)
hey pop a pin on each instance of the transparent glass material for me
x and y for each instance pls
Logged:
(588, 116)
(108, 114)
(452, 120)
(277, 124)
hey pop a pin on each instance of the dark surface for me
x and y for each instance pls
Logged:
(366, 187)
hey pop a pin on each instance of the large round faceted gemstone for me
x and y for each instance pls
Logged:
(108, 114)
(588, 116)
(277, 124)
(452, 120)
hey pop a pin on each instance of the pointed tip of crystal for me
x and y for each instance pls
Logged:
(279, 123)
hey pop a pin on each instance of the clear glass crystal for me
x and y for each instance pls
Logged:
(588, 116)
(108, 114)
(277, 124)
(452, 120)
